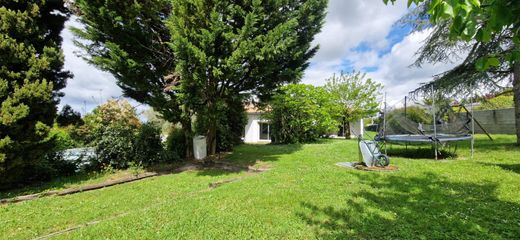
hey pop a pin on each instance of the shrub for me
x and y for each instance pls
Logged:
(301, 113)
(62, 138)
(176, 144)
(148, 146)
(115, 146)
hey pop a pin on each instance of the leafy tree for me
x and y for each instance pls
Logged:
(492, 59)
(224, 47)
(111, 113)
(356, 96)
(300, 113)
(157, 120)
(118, 112)
(31, 76)
(68, 116)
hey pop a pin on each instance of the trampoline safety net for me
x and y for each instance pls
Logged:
(410, 122)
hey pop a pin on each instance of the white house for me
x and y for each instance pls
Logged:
(257, 129)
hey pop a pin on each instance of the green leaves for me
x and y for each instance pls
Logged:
(355, 95)
(301, 113)
(484, 63)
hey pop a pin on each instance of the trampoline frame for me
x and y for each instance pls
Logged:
(414, 138)
(436, 139)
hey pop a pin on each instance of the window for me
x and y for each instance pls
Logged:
(265, 131)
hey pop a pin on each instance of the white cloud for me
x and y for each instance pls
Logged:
(90, 86)
(348, 24)
(351, 23)
(395, 72)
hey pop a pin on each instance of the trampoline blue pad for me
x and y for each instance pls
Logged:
(424, 138)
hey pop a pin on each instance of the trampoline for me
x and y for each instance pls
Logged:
(421, 123)
(423, 139)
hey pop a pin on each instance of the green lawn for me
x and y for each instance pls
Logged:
(303, 196)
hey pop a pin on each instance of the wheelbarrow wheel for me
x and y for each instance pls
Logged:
(382, 160)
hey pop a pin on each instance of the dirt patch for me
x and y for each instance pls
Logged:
(389, 168)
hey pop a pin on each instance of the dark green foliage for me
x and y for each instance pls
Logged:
(232, 119)
(176, 144)
(115, 146)
(223, 48)
(30, 79)
(68, 116)
(301, 113)
(148, 147)
(231, 125)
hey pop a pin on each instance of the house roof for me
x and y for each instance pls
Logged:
(251, 108)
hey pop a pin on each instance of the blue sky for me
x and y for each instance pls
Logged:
(357, 34)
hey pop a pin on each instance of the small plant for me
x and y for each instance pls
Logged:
(107, 168)
(136, 168)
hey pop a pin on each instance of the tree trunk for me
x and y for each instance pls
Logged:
(211, 139)
(346, 126)
(188, 136)
(516, 91)
(211, 134)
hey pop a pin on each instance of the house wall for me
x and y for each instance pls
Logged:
(252, 131)
(356, 128)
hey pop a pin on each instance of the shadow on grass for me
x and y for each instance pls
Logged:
(429, 207)
(420, 152)
(58, 183)
(246, 156)
(508, 167)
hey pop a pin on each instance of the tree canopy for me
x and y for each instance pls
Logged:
(215, 52)
(300, 113)
(68, 116)
(355, 95)
(223, 48)
(129, 40)
(31, 76)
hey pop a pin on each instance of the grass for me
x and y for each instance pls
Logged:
(303, 196)
(65, 182)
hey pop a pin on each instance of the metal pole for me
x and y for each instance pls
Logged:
(405, 98)
(434, 122)
(384, 125)
(472, 124)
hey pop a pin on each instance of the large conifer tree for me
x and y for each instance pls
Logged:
(218, 50)
(224, 47)
(31, 76)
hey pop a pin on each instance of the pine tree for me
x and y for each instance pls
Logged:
(31, 76)
(218, 50)
(130, 40)
(224, 47)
